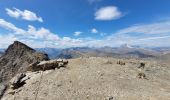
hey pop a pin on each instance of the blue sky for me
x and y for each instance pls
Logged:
(95, 23)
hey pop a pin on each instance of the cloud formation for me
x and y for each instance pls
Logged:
(94, 30)
(25, 15)
(152, 34)
(77, 33)
(154, 28)
(108, 13)
(36, 37)
(142, 35)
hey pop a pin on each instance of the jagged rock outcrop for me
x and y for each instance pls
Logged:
(47, 65)
(16, 58)
(18, 81)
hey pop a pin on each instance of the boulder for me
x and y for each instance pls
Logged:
(18, 81)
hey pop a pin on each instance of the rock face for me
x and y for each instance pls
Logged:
(16, 58)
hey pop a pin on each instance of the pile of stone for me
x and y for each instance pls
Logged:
(47, 65)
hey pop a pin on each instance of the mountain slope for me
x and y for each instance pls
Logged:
(16, 58)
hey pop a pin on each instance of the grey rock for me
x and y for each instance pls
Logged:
(2, 89)
(16, 58)
(18, 81)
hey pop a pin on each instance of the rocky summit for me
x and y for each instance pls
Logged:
(94, 78)
(16, 58)
(30, 75)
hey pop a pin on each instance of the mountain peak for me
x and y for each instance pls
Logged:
(126, 46)
(16, 58)
(18, 47)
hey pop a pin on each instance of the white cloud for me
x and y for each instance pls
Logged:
(108, 13)
(154, 28)
(42, 33)
(94, 30)
(42, 37)
(10, 26)
(154, 38)
(5, 40)
(25, 15)
(77, 33)
(153, 34)
(36, 37)
(32, 33)
(15, 13)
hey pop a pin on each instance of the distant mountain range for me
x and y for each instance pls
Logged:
(1, 54)
(122, 51)
(164, 50)
(52, 52)
(2, 51)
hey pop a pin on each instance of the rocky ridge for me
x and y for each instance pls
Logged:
(16, 58)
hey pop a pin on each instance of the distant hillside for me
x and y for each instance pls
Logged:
(52, 52)
(85, 52)
(163, 50)
(122, 51)
(165, 58)
(1, 54)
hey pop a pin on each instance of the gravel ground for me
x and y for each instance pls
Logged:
(97, 79)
